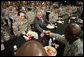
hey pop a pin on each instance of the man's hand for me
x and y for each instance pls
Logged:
(23, 32)
(44, 31)
(47, 33)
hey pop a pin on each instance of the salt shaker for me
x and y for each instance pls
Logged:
(15, 49)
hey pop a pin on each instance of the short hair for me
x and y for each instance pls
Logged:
(20, 12)
(29, 9)
(38, 11)
(70, 29)
(55, 7)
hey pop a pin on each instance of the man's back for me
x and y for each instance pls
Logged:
(75, 49)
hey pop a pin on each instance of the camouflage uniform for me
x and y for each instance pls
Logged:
(61, 10)
(53, 17)
(74, 9)
(3, 15)
(20, 26)
(74, 49)
(4, 34)
(15, 18)
(9, 16)
(67, 13)
(30, 16)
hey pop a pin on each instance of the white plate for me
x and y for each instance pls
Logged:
(73, 17)
(59, 21)
(50, 26)
(52, 48)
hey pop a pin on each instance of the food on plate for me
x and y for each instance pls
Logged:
(50, 26)
(73, 17)
(30, 33)
(59, 21)
(50, 51)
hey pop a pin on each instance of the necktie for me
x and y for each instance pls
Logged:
(42, 21)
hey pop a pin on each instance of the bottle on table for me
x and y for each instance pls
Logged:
(15, 49)
(50, 42)
(69, 21)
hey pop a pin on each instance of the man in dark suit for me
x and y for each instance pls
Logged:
(40, 22)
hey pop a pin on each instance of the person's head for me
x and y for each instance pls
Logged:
(67, 7)
(39, 14)
(56, 9)
(29, 9)
(10, 7)
(16, 11)
(20, 8)
(72, 32)
(21, 15)
(31, 48)
(39, 7)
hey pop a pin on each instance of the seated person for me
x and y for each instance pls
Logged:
(31, 48)
(30, 16)
(80, 23)
(40, 22)
(53, 16)
(4, 35)
(73, 44)
(21, 26)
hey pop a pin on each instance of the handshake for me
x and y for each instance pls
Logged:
(47, 32)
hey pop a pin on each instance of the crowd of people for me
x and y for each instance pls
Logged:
(21, 19)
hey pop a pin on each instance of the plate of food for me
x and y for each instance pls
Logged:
(73, 17)
(51, 51)
(30, 33)
(60, 21)
(49, 26)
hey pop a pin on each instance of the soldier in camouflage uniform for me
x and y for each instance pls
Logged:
(3, 15)
(9, 13)
(73, 44)
(4, 35)
(67, 11)
(15, 15)
(21, 26)
(53, 16)
(9, 17)
(30, 15)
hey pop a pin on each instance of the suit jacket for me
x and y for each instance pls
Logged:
(39, 26)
